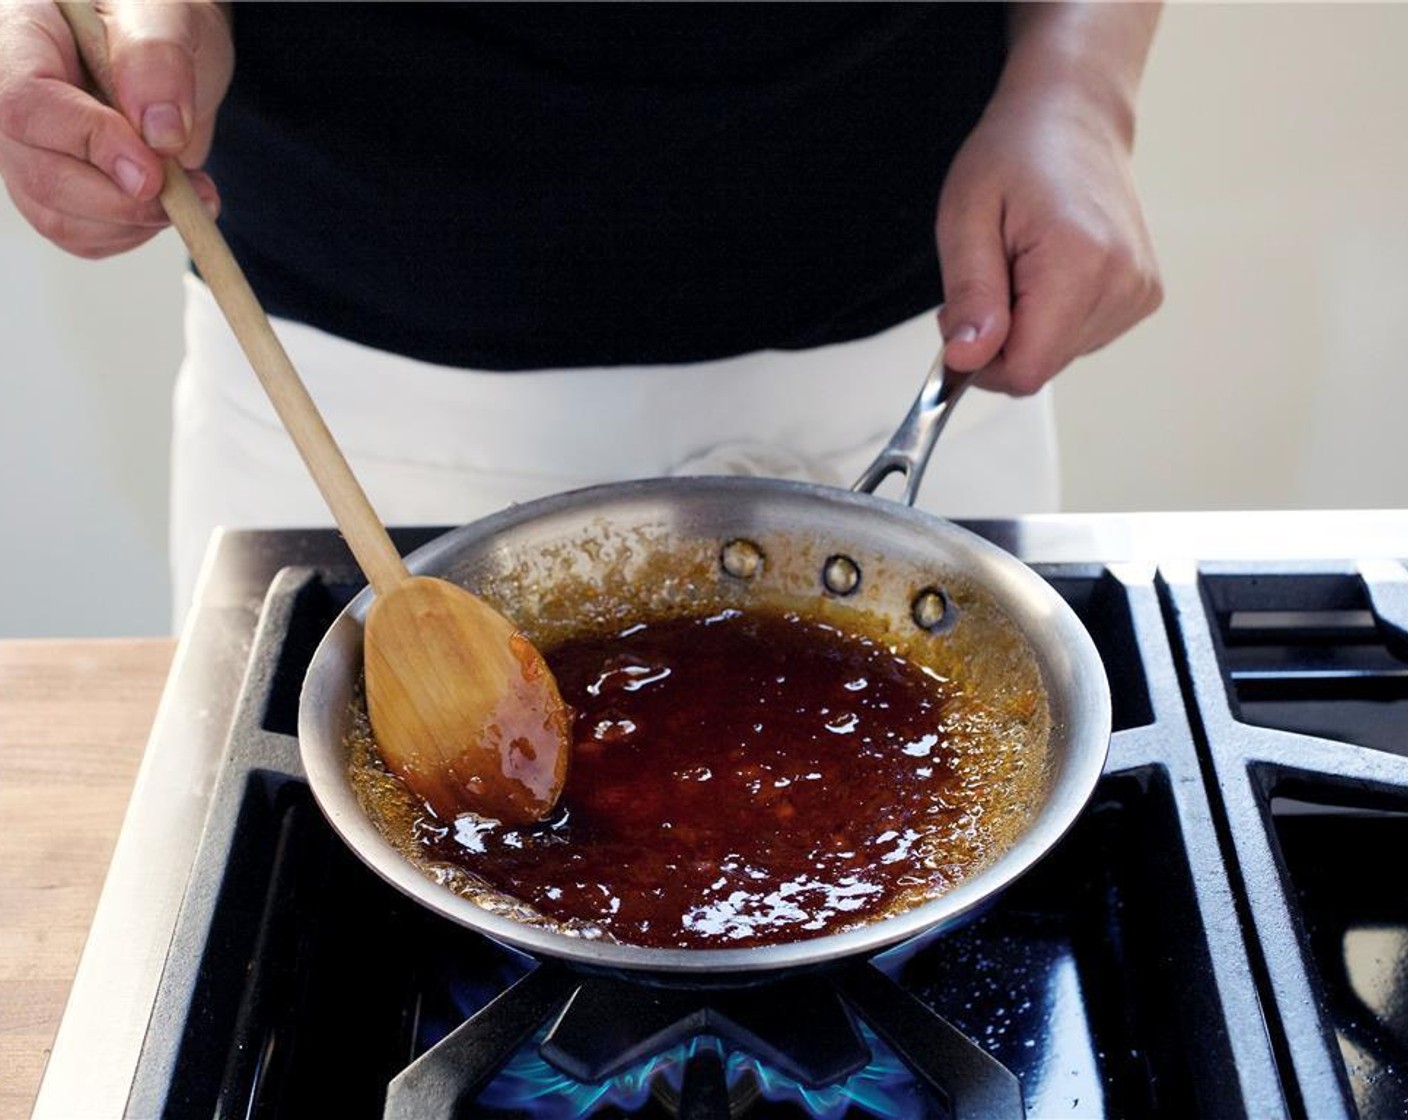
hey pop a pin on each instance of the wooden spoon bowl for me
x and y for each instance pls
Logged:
(462, 705)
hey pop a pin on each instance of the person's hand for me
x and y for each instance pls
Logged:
(1044, 251)
(87, 176)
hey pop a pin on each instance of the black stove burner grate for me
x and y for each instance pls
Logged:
(798, 1027)
(1113, 980)
(1302, 696)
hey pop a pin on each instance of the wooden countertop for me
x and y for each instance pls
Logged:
(74, 718)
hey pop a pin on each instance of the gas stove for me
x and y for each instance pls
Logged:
(1224, 932)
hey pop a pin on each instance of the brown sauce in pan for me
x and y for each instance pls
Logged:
(740, 779)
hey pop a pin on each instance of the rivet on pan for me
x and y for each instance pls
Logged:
(741, 558)
(841, 575)
(932, 611)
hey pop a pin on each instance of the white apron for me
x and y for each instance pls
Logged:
(434, 445)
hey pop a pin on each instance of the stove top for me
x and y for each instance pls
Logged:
(1223, 933)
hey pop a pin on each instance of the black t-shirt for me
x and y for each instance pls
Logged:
(511, 186)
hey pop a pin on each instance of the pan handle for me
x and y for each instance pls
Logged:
(913, 442)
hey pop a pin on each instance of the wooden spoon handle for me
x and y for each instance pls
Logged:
(365, 534)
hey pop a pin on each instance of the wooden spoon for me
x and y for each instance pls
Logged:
(462, 705)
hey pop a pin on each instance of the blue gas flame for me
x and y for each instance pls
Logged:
(885, 1089)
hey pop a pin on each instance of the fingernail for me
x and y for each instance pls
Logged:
(965, 333)
(162, 126)
(129, 176)
(208, 199)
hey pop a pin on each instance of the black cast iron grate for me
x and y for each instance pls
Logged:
(1301, 689)
(1114, 980)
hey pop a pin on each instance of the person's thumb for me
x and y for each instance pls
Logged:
(151, 48)
(976, 314)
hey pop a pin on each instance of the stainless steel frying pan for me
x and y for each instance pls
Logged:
(936, 582)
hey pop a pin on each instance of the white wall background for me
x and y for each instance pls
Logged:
(1273, 159)
(1273, 164)
(88, 353)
